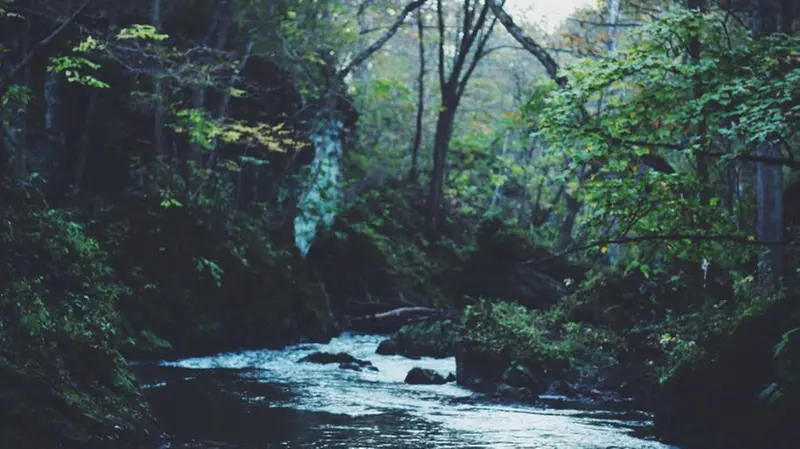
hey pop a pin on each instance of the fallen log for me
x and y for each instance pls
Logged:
(391, 321)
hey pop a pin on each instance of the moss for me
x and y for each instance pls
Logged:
(507, 336)
(434, 339)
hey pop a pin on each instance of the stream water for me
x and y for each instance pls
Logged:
(266, 399)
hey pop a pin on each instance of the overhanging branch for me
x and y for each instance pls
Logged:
(5, 82)
(369, 51)
(694, 238)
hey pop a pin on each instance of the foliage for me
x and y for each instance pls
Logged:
(59, 330)
(435, 339)
(542, 341)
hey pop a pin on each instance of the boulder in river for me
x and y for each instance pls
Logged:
(421, 376)
(451, 378)
(387, 347)
(342, 358)
(351, 366)
(505, 391)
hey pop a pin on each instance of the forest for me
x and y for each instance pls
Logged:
(599, 211)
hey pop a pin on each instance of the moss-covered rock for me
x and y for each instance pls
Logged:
(737, 394)
(421, 376)
(428, 339)
(507, 344)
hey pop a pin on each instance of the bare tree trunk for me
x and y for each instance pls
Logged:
(413, 174)
(444, 130)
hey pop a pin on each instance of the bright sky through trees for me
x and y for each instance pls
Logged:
(548, 13)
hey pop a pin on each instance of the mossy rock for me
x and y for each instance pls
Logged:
(432, 339)
(735, 378)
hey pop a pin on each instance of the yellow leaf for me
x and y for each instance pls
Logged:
(604, 249)
(750, 238)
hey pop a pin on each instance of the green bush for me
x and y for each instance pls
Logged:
(61, 373)
(540, 340)
(434, 339)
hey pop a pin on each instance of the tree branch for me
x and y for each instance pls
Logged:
(5, 82)
(550, 65)
(694, 238)
(369, 51)
(604, 24)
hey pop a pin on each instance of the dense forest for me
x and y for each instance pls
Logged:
(608, 206)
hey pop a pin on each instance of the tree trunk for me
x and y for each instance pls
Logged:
(695, 48)
(769, 178)
(788, 8)
(770, 210)
(21, 168)
(318, 205)
(565, 233)
(496, 193)
(158, 88)
(219, 26)
(444, 130)
(613, 18)
(413, 174)
(83, 148)
(452, 89)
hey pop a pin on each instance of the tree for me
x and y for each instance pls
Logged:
(318, 204)
(413, 171)
(468, 50)
(769, 178)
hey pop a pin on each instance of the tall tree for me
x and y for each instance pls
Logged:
(158, 87)
(469, 49)
(413, 173)
(769, 177)
(318, 204)
(695, 48)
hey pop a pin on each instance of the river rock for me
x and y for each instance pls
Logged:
(351, 366)
(387, 347)
(506, 391)
(420, 376)
(451, 378)
(342, 358)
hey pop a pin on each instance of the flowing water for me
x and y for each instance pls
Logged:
(266, 399)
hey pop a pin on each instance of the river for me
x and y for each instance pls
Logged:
(264, 399)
